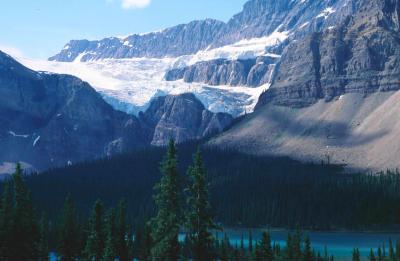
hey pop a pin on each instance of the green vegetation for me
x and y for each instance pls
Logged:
(245, 190)
(166, 224)
(183, 206)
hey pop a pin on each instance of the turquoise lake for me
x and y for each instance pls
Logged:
(339, 244)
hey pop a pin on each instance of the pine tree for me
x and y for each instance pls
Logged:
(121, 232)
(380, 257)
(25, 231)
(145, 245)
(110, 252)
(398, 250)
(43, 243)
(242, 248)
(258, 255)
(236, 255)
(250, 242)
(225, 249)
(277, 249)
(289, 247)
(6, 220)
(326, 256)
(69, 236)
(130, 244)
(199, 219)
(265, 247)
(392, 256)
(356, 255)
(95, 243)
(167, 223)
(372, 255)
(307, 253)
(296, 246)
(186, 248)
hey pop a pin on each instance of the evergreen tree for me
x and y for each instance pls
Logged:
(250, 241)
(326, 256)
(95, 243)
(225, 249)
(356, 255)
(199, 219)
(266, 248)
(398, 250)
(289, 247)
(69, 239)
(6, 220)
(187, 247)
(296, 246)
(166, 224)
(242, 248)
(380, 257)
(372, 255)
(392, 256)
(121, 246)
(258, 255)
(236, 255)
(145, 245)
(384, 250)
(277, 249)
(307, 253)
(110, 251)
(25, 232)
(43, 243)
(130, 244)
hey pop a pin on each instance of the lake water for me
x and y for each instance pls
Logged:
(339, 244)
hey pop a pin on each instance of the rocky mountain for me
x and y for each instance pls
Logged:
(183, 117)
(360, 55)
(258, 18)
(329, 69)
(251, 72)
(202, 54)
(175, 41)
(334, 95)
(50, 119)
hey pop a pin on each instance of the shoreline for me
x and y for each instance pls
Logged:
(339, 231)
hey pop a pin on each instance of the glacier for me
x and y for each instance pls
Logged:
(130, 84)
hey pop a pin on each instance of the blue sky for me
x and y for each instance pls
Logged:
(40, 28)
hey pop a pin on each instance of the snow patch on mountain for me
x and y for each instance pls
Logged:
(326, 13)
(242, 50)
(130, 84)
(12, 133)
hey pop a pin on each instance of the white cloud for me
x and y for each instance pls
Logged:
(15, 52)
(127, 4)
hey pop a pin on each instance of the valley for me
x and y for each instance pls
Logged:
(271, 135)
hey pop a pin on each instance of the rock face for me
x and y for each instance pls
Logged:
(175, 41)
(183, 118)
(49, 120)
(258, 18)
(360, 55)
(334, 96)
(252, 72)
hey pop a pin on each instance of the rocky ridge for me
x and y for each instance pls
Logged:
(334, 97)
(360, 55)
(50, 120)
(251, 72)
(257, 19)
